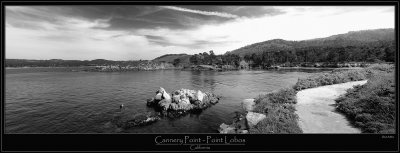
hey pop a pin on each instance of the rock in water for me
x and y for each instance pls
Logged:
(176, 98)
(161, 90)
(141, 120)
(164, 104)
(254, 118)
(199, 96)
(239, 125)
(182, 100)
(224, 128)
(150, 102)
(158, 96)
(167, 97)
(248, 105)
(164, 94)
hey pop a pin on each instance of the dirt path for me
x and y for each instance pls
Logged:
(316, 110)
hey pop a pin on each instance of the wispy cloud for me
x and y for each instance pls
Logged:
(219, 14)
(137, 32)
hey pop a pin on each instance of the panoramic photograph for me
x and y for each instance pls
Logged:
(90, 69)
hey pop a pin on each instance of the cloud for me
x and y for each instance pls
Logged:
(219, 14)
(146, 32)
(136, 17)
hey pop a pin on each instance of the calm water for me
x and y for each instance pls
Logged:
(88, 102)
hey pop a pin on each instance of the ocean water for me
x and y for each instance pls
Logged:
(88, 102)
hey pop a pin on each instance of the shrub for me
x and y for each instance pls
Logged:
(371, 106)
(342, 76)
(280, 121)
(279, 110)
(333, 77)
(382, 67)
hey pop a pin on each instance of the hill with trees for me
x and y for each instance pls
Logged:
(169, 57)
(355, 46)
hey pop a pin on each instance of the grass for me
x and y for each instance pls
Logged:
(280, 112)
(372, 106)
(342, 76)
(333, 77)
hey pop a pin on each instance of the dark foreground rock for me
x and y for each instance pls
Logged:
(181, 101)
(239, 125)
(138, 120)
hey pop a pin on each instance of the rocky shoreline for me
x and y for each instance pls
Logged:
(242, 122)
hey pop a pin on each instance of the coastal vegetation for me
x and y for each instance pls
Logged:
(280, 112)
(359, 46)
(342, 76)
(333, 77)
(370, 107)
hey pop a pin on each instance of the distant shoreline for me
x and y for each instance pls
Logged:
(27, 67)
(189, 69)
(320, 68)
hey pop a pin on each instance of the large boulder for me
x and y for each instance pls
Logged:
(158, 96)
(253, 118)
(199, 96)
(164, 104)
(248, 105)
(161, 90)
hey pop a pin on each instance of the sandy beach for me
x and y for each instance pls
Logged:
(316, 110)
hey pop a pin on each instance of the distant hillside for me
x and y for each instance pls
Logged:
(66, 63)
(258, 48)
(353, 38)
(171, 57)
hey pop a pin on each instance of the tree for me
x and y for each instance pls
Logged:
(176, 62)
(212, 57)
(194, 59)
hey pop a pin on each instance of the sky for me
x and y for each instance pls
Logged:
(128, 32)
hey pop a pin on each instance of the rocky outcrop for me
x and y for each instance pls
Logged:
(181, 101)
(242, 122)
